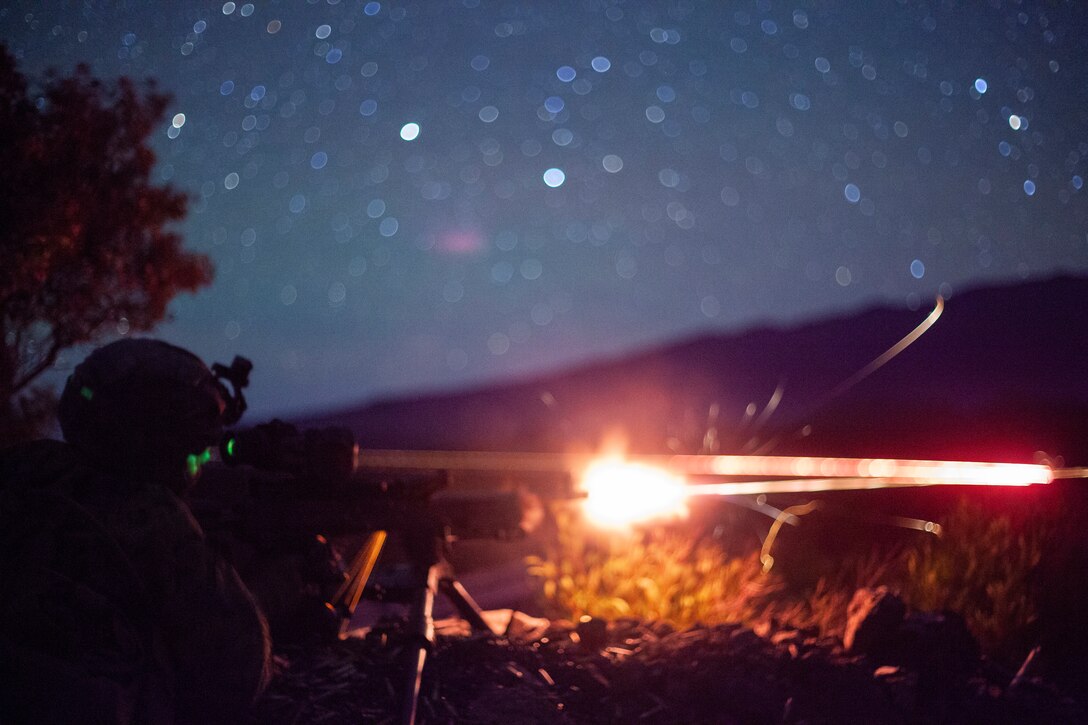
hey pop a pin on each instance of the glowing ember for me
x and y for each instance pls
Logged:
(619, 493)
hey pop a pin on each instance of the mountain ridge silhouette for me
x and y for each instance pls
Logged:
(999, 376)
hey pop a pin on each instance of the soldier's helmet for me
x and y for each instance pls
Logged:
(143, 407)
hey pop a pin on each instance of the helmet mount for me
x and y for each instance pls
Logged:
(238, 377)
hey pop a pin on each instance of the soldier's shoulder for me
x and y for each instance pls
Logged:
(59, 470)
(38, 461)
(34, 449)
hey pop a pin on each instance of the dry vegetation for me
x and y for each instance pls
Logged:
(655, 574)
(981, 566)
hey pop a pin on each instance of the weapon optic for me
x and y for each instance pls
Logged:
(315, 467)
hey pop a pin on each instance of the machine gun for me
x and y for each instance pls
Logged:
(308, 482)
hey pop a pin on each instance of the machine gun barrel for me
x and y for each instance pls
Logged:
(477, 461)
(500, 515)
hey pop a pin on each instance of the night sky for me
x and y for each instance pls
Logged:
(401, 196)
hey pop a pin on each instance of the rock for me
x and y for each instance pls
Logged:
(592, 632)
(872, 621)
(940, 647)
(522, 628)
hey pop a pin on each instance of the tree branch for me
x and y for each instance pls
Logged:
(41, 367)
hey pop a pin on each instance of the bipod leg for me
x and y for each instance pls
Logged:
(466, 606)
(421, 634)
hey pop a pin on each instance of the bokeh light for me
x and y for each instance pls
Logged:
(745, 164)
(554, 177)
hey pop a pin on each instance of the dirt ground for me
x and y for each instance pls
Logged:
(635, 671)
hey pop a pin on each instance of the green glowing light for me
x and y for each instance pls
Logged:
(86, 392)
(194, 461)
(230, 446)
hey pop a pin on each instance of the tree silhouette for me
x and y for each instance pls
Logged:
(83, 229)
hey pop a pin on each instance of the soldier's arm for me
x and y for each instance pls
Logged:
(215, 633)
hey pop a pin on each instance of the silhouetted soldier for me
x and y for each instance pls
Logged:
(113, 608)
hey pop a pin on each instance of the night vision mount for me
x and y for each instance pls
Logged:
(238, 377)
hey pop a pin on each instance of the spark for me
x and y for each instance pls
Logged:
(879, 362)
(885, 357)
(772, 405)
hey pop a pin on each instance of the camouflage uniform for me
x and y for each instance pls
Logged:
(113, 608)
